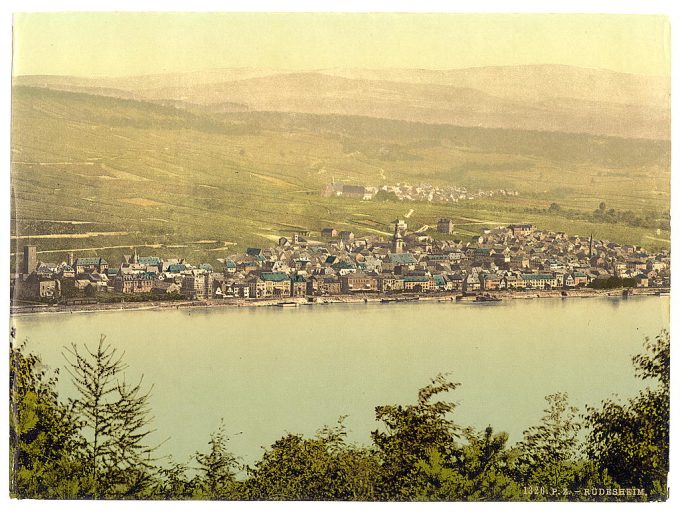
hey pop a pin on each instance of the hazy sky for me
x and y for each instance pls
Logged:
(118, 44)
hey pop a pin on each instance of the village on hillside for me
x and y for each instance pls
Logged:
(408, 192)
(517, 257)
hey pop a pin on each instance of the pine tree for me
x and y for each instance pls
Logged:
(116, 420)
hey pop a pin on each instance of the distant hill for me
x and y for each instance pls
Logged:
(545, 98)
(535, 83)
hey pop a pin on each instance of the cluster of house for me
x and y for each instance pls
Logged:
(517, 257)
(420, 192)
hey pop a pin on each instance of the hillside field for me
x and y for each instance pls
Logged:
(99, 175)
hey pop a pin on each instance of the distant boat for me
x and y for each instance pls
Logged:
(287, 304)
(487, 299)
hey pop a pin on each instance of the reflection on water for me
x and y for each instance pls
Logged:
(268, 371)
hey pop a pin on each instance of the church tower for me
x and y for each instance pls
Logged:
(397, 240)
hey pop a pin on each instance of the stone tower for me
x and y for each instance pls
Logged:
(30, 259)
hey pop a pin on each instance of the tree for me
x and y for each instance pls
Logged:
(630, 441)
(602, 207)
(480, 470)
(324, 467)
(172, 483)
(216, 477)
(549, 450)
(486, 464)
(115, 417)
(412, 433)
(45, 445)
(554, 207)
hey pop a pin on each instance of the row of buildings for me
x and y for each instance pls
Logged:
(420, 192)
(515, 257)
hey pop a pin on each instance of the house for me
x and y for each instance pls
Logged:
(512, 280)
(91, 265)
(445, 225)
(406, 260)
(256, 287)
(165, 287)
(277, 284)
(151, 263)
(354, 191)
(343, 267)
(176, 268)
(489, 281)
(521, 230)
(46, 270)
(390, 283)
(642, 280)
(229, 266)
(346, 236)
(40, 287)
(111, 274)
(456, 281)
(67, 271)
(539, 280)
(358, 282)
(471, 283)
(580, 278)
(440, 282)
(519, 261)
(134, 283)
(418, 283)
(197, 284)
(241, 290)
(298, 285)
(329, 233)
(320, 285)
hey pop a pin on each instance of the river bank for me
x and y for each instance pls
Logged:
(325, 300)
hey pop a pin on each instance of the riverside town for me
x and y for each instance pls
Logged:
(505, 262)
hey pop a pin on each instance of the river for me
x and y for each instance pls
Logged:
(269, 371)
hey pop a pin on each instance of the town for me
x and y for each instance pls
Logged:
(407, 192)
(517, 257)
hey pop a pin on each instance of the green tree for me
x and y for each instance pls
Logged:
(115, 417)
(480, 470)
(171, 483)
(486, 464)
(45, 444)
(217, 469)
(630, 441)
(549, 451)
(324, 467)
(411, 435)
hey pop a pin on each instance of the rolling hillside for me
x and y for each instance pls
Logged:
(100, 174)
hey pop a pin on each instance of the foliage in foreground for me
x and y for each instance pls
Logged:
(95, 446)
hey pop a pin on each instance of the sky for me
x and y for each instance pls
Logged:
(126, 43)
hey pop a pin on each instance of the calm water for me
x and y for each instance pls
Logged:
(269, 371)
